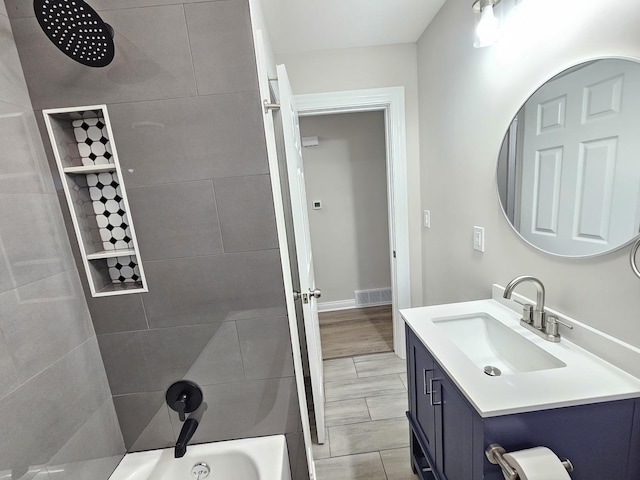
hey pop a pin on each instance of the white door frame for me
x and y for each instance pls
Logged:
(390, 100)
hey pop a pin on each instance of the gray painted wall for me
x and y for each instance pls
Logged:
(464, 111)
(347, 171)
(57, 419)
(183, 99)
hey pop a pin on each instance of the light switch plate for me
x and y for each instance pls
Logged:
(426, 218)
(478, 238)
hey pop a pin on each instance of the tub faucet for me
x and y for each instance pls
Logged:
(187, 431)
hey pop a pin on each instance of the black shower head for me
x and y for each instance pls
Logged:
(77, 30)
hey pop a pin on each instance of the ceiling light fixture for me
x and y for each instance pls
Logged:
(487, 26)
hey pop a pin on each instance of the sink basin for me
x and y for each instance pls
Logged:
(487, 342)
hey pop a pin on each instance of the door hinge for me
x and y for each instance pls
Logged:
(394, 254)
(270, 106)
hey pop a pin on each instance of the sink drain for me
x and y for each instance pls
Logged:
(492, 371)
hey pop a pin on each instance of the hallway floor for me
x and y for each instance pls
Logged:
(367, 434)
(356, 331)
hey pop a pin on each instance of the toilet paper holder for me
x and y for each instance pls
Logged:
(495, 452)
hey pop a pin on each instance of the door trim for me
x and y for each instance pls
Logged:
(390, 100)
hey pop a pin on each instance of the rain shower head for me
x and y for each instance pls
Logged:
(77, 30)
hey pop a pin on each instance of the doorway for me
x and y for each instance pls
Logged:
(345, 169)
(390, 102)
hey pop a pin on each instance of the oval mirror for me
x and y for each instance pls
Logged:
(569, 166)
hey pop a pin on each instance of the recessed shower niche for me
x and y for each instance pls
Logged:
(86, 156)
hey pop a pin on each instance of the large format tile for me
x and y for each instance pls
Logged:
(363, 387)
(99, 437)
(266, 348)
(388, 406)
(397, 464)
(344, 412)
(152, 61)
(175, 220)
(37, 218)
(208, 289)
(43, 321)
(119, 313)
(247, 409)
(222, 47)
(247, 216)
(51, 407)
(369, 436)
(8, 374)
(24, 167)
(144, 421)
(206, 354)
(125, 363)
(379, 364)
(12, 84)
(339, 369)
(366, 466)
(185, 139)
(320, 451)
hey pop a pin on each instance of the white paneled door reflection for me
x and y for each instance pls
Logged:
(578, 160)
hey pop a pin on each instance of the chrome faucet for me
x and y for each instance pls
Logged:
(534, 317)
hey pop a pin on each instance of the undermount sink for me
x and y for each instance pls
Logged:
(494, 347)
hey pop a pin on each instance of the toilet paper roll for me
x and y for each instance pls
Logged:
(538, 463)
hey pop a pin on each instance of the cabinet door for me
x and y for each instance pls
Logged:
(453, 429)
(425, 411)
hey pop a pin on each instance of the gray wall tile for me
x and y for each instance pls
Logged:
(152, 61)
(24, 167)
(8, 375)
(41, 329)
(125, 363)
(246, 409)
(187, 139)
(222, 47)
(120, 313)
(266, 348)
(190, 291)
(98, 438)
(13, 83)
(58, 401)
(175, 220)
(206, 354)
(53, 386)
(37, 218)
(144, 421)
(247, 217)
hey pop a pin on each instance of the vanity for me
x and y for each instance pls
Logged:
(477, 377)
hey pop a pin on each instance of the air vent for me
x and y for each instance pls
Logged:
(377, 296)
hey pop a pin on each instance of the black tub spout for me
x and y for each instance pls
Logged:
(188, 429)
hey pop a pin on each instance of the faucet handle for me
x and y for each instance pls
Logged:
(551, 325)
(527, 312)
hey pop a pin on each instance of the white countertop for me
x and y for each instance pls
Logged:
(585, 379)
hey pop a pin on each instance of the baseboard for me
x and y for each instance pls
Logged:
(339, 305)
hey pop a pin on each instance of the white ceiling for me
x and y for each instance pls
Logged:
(307, 25)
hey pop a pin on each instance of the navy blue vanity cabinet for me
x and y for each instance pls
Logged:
(448, 437)
(441, 419)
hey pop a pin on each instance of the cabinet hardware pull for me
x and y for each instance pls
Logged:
(424, 380)
(431, 380)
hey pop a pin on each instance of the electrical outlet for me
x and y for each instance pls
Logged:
(478, 238)
(426, 218)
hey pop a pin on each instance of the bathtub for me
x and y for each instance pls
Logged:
(262, 458)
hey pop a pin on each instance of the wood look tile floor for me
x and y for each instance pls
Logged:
(356, 331)
(367, 434)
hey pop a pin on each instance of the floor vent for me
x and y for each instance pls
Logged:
(377, 296)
